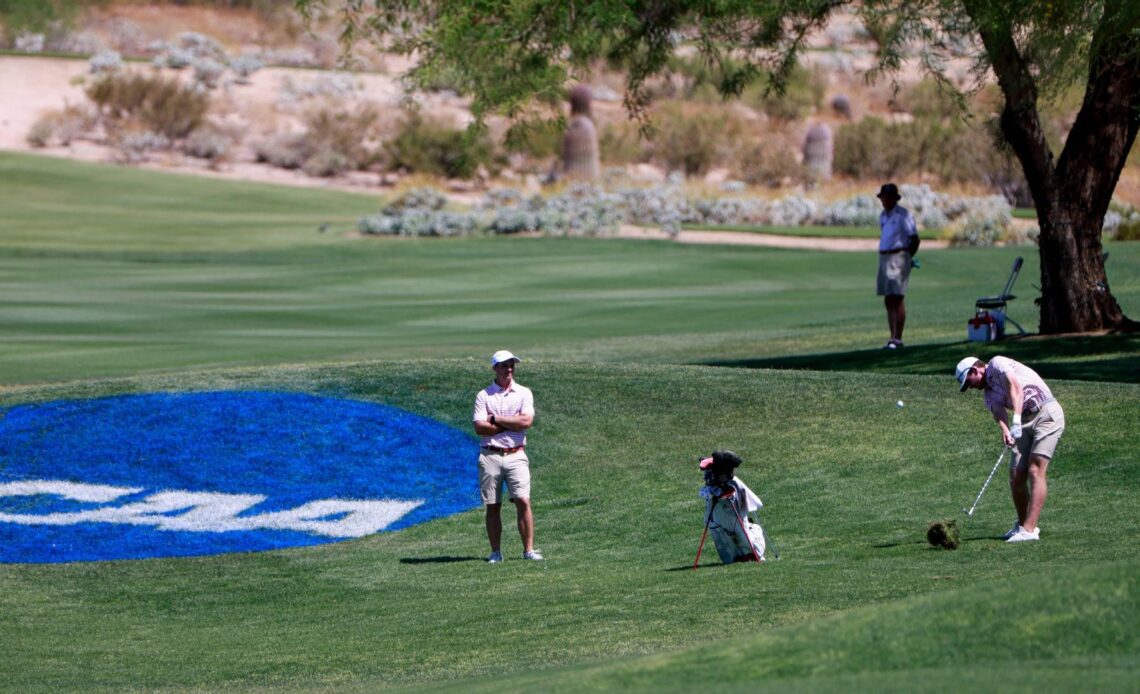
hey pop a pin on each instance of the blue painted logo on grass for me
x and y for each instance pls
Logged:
(184, 474)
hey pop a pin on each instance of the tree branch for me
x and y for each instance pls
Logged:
(1020, 120)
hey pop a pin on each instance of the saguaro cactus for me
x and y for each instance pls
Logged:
(580, 159)
(819, 152)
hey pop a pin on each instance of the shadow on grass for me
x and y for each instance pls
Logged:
(438, 560)
(927, 545)
(1109, 358)
(689, 567)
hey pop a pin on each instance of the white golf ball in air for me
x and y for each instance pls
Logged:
(900, 404)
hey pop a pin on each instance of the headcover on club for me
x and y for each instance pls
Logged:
(720, 468)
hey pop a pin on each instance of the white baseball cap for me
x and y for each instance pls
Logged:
(501, 356)
(962, 369)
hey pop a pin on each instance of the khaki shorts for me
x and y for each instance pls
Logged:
(894, 274)
(495, 468)
(1040, 435)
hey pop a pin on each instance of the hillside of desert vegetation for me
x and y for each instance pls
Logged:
(252, 93)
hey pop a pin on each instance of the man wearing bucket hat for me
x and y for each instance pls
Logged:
(504, 411)
(1033, 431)
(898, 242)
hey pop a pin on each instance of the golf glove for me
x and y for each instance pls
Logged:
(1015, 429)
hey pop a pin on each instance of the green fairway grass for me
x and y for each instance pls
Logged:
(643, 356)
(111, 271)
(849, 482)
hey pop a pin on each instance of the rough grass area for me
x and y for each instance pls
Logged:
(850, 483)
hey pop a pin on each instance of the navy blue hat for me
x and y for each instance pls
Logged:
(889, 190)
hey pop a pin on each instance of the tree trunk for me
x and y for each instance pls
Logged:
(1073, 194)
(1075, 294)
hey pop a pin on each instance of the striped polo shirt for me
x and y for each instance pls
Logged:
(493, 400)
(1034, 392)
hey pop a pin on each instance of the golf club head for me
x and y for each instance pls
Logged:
(968, 513)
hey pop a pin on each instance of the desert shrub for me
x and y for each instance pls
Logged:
(977, 232)
(422, 198)
(420, 223)
(979, 221)
(334, 141)
(60, 127)
(244, 66)
(350, 133)
(771, 162)
(135, 147)
(694, 142)
(208, 71)
(326, 162)
(727, 211)
(284, 150)
(430, 147)
(874, 149)
(537, 140)
(693, 78)
(803, 93)
(928, 100)
(419, 212)
(105, 61)
(793, 210)
(1122, 222)
(41, 132)
(148, 102)
(1128, 231)
(336, 86)
(208, 143)
(859, 211)
(620, 143)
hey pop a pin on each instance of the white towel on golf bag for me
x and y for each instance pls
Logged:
(733, 542)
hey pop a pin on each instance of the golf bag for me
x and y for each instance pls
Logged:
(728, 503)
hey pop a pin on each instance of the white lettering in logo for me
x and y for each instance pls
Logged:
(207, 511)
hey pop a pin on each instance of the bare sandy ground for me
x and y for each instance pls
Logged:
(771, 240)
(32, 86)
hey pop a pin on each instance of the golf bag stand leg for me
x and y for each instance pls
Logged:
(705, 534)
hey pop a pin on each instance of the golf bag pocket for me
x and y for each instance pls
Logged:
(736, 537)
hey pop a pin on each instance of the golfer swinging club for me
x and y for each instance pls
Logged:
(1013, 386)
(504, 411)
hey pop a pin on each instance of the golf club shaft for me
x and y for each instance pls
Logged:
(983, 491)
(768, 541)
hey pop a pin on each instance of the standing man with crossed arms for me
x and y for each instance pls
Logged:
(504, 411)
(898, 242)
(1034, 428)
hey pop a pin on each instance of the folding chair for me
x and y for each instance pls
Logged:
(997, 303)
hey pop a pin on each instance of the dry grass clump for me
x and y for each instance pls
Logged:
(148, 102)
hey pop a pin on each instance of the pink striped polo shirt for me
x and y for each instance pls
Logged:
(1034, 392)
(493, 400)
